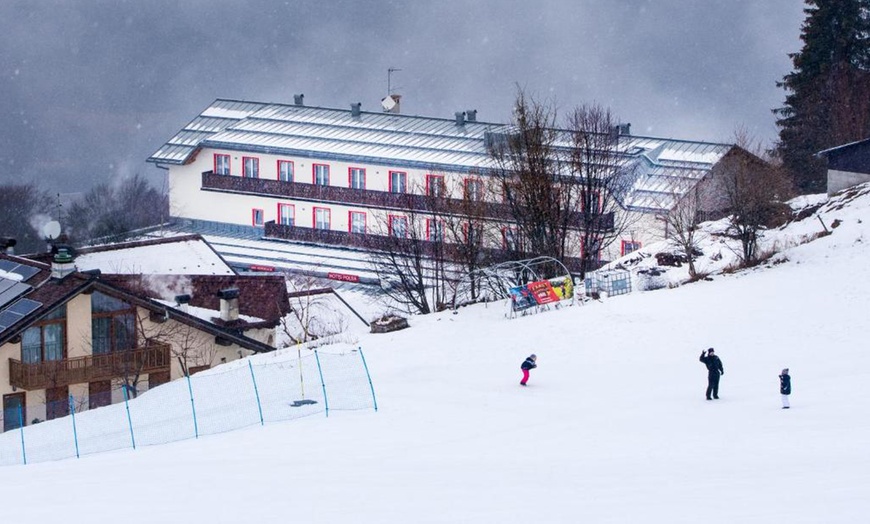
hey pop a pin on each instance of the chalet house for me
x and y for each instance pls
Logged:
(848, 165)
(98, 337)
(333, 176)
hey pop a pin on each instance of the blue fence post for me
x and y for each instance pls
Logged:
(21, 425)
(256, 392)
(374, 399)
(193, 407)
(72, 411)
(322, 382)
(129, 419)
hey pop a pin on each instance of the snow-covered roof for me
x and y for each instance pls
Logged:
(663, 167)
(184, 255)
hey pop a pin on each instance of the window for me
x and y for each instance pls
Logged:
(473, 189)
(257, 217)
(322, 218)
(398, 181)
(509, 238)
(250, 167)
(285, 171)
(321, 174)
(629, 246)
(592, 203)
(356, 178)
(398, 226)
(45, 341)
(222, 164)
(473, 234)
(435, 185)
(113, 324)
(287, 214)
(435, 230)
(357, 222)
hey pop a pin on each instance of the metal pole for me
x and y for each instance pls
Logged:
(21, 425)
(193, 407)
(256, 392)
(322, 383)
(72, 410)
(375, 400)
(301, 379)
(129, 419)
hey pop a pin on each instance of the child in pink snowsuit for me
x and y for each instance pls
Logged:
(528, 364)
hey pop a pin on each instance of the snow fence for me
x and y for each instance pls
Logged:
(229, 397)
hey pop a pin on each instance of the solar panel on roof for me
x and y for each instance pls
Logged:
(7, 265)
(15, 291)
(24, 307)
(25, 271)
(17, 311)
(6, 283)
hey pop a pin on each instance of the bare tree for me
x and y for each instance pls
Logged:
(682, 220)
(598, 174)
(561, 185)
(755, 192)
(111, 213)
(528, 171)
(409, 258)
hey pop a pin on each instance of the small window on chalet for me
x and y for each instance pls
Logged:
(221, 164)
(250, 167)
(285, 170)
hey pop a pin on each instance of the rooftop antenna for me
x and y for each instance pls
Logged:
(390, 103)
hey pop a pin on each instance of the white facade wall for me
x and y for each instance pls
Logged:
(840, 180)
(189, 201)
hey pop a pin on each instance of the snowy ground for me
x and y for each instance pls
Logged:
(614, 426)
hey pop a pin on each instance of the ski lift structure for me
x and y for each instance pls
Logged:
(529, 286)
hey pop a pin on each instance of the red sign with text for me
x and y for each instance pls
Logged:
(344, 277)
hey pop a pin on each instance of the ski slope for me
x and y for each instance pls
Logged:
(613, 427)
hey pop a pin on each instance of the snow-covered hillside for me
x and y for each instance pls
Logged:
(613, 427)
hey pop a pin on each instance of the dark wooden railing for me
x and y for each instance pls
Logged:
(449, 252)
(90, 368)
(369, 198)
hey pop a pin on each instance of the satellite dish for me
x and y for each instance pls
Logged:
(51, 230)
(388, 103)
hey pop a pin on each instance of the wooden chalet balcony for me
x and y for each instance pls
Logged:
(365, 197)
(79, 370)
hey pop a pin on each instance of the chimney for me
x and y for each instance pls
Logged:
(62, 261)
(623, 129)
(471, 114)
(460, 118)
(297, 99)
(356, 109)
(7, 245)
(181, 301)
(229, 304)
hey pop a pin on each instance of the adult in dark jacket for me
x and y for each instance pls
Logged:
(785, 387)
(714, 371)
(527, 365)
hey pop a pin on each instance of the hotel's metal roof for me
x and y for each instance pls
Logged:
(664, 168)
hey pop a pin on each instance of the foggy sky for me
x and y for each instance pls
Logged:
(90, 88)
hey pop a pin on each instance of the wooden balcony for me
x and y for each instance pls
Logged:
(80, 370)
(369, 198)
(450, 252)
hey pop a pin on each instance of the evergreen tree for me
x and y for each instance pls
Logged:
(827, 99)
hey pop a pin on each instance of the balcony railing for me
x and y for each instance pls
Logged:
(447, 251)
(79, 370)
(370, 198)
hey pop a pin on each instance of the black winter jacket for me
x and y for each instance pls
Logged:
(528, 364)
(714, 365)
(785, 384)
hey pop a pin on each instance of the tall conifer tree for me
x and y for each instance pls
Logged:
(827, 99)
